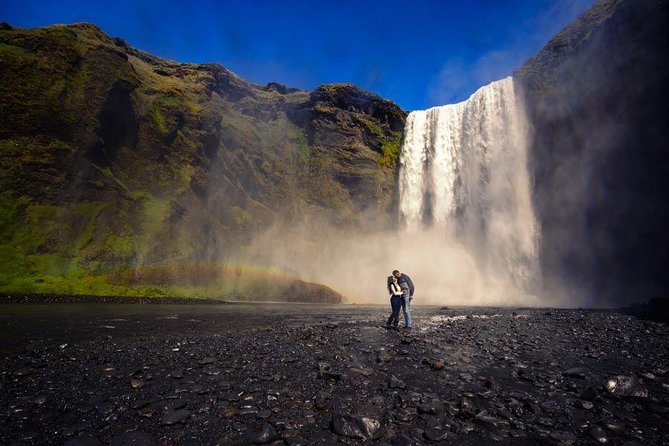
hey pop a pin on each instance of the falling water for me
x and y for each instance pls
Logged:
(463, 176)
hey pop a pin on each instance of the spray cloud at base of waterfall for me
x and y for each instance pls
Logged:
(357, 264)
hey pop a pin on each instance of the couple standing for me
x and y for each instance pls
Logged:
(401, 291)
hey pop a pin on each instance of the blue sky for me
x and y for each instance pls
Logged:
(416, 53)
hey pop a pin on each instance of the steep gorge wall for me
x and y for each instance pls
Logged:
(113, 159)
(597, 100)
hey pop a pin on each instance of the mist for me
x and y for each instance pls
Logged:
(357, 264)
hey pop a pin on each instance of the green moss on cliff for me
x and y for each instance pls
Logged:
(391, 150)
(113, 159)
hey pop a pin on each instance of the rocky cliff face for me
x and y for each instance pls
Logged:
(113, 159)
(597, 98)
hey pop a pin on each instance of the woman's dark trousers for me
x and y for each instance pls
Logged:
(396, 304)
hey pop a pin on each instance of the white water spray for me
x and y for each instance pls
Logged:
(464, 184)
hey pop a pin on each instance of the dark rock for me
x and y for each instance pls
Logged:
(396, 383)
(576, 372)
(120, 42)
(356, 427)
(597, 434)
(139, 404)
(133, 438)
(613, 426)
(438, 364)
(147, 412)
(207, 360)
(5, 26)
(83, 441)
(432, 407)
(434, 434)
(589, 394)
(587, 405)
(383, 355)
(248, 410)
(356, 372)
(336, 376)
(280, 88)
(226, 412)
(103, 407)
(467, 407)
(260, 433)
(296, 441)
(626, 386)
(657, 309)
(485, 418)
(526, 375)
(404, 416)
(178, 403)
(491, 383)
(177, 416)
(136, 383)
(23, 371)
(563, 436)
(533, 406)
(264, 414)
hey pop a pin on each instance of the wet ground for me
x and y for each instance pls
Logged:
(90, 374)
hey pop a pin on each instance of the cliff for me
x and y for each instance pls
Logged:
(597, 99)
(121, 170)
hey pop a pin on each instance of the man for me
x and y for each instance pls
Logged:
(405, 283)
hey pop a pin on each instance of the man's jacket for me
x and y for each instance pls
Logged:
(402, 279)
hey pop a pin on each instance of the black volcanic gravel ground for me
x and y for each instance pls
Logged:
(298, 375)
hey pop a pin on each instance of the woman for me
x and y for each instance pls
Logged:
(395, 303)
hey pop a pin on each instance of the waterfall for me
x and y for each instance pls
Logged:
(463, 177)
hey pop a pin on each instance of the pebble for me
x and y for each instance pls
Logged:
(563, 436)
(597, 434)
(356, 427)
(626, 386)
(147, 412)
(589, 394)
(134, 438)
(226, 412)
(260, 433)
(136, 383)
(467, 408)
(83, 441)
(174, 417)
(587, 405)
(396, 383)
(576, 372)
(502, 381)
(432, 407)
(434, 434)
